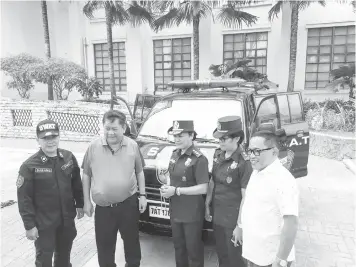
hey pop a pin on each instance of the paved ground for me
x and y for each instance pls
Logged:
(326, 236)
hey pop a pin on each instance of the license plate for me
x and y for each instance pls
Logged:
(159, 212)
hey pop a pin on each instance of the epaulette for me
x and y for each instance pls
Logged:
(196, 152)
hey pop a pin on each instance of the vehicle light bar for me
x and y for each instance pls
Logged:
(206, 83)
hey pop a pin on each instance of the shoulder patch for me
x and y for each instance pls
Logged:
(197, 153)
(67, 165)
(20, 180)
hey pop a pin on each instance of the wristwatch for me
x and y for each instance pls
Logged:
(143, 195)
(282, 263)
(178, 191)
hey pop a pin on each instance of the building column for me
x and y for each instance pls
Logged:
(133, 63)
(205, 48)
(282, 56)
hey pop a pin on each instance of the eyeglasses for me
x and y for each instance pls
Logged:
(257, 151)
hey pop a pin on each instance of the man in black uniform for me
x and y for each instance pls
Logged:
(189, 177)
(50, 195)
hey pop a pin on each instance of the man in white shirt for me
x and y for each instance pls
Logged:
(270, 210)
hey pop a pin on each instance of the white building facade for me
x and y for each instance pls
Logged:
(145, 60)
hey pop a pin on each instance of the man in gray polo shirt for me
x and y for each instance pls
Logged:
(112, 169)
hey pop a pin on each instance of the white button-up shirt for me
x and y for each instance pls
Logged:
(270, 194)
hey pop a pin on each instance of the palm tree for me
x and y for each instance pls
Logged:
(296, 7)
(189, 11)
(47, 44)
(344, 75)
(118, 12)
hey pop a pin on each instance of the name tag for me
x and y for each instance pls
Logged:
(42, 170)
(67, 165)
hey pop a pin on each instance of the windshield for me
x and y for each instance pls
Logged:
(204, 113)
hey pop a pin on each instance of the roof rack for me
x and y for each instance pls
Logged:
(187, 86)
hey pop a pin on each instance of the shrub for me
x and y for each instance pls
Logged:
(89, 87)
(65, 75)
(20, 69)
(335, 115)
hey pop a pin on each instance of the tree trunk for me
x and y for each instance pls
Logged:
(47, 45)
(293, 48)
(108, 16)
(352, 88)
(196, 47)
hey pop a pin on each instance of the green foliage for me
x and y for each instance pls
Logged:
(250, 77)
(89, 87)
(173, 13)
(299, 5)
(19, 68)
(122, 12)
(335, 115)
(65, 75)
(344, 76)
(25, 69)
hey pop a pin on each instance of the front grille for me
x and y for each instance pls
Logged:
(153, 192)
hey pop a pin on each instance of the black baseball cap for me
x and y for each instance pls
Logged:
(47, 128)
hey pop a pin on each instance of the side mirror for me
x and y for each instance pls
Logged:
(281, 133)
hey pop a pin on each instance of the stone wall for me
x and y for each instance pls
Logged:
(89, 116)
(333, 146)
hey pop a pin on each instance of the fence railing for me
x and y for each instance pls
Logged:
(76, 122)
(22, 117)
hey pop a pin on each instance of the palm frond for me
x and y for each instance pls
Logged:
(232, 17)
(148, 5)
(249, 2)
(167, 20)
(214, 3)
(323, 3)
(343, 71)
(301, 5)
(90, 7)
(139, 14)
(118, 11)
(164, 6)
(202, 9)
(275, 10)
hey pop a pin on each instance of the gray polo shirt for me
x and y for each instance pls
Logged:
(113, 174)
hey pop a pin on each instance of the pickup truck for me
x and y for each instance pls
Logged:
(205, 102)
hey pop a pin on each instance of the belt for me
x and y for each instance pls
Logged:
(114, 205)
(118, 203)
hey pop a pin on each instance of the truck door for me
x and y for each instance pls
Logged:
(294, 147)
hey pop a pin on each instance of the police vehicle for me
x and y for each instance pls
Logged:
(204, 102)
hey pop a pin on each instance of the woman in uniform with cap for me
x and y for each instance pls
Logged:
(189, 178)
(230, 175)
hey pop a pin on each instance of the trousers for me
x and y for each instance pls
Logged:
(57, 241)
(123, 218)
(188, 244)
(228, 254)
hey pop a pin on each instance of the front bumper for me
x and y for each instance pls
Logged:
(160, 225)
